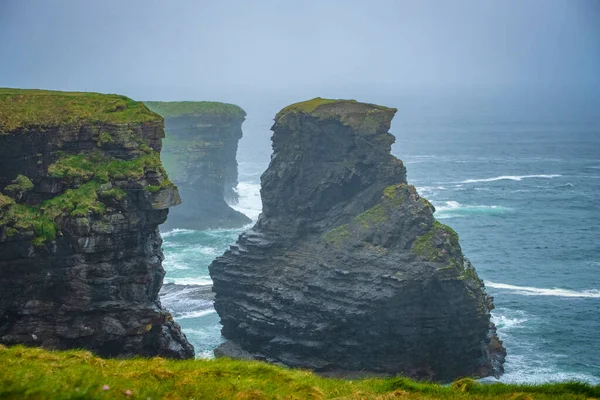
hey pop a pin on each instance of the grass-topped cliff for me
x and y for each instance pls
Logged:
(362, 117)
(41, 374)
(173, 109)
(90, 144)
(26, 108)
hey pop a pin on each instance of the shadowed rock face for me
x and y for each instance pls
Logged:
(200, 156)
(347, 269)
(81, 200)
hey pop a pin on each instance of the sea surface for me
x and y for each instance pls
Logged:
(518, 177)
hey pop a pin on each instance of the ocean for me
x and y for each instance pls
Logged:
(517, 176)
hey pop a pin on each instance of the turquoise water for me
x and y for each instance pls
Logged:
(521, 189)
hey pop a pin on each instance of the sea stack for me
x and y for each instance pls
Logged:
(347, 269)
(82, 193)
(199, 153)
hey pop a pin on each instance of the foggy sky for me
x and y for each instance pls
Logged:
(184, 49)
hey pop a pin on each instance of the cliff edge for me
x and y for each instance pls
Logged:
(199, 153)
(346, 269)
(82, 193)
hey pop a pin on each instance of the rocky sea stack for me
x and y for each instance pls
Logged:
(346, 269)
(199, 154)
(82, 192)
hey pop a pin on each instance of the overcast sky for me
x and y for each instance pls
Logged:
(166, 49)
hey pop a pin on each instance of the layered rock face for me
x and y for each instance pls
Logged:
(347, 269)
(82, 193)
(200, 156)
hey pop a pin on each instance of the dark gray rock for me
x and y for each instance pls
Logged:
(95, 284)
(199, 153)
(346, 269)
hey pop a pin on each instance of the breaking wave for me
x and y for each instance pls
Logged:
(534, 291)
(453, 209)
(511, 178)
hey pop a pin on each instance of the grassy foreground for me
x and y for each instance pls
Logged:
(39, 374)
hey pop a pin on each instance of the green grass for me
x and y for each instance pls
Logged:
(39, 374)
(171, 109)
(361, 117)
(309, 106)
(21, 109)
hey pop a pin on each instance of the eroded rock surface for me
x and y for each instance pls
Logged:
(199, 154)
(82, 193)
(347, 269)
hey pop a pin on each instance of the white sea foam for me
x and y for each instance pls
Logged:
(453, 209)
(199, 281)
(523, 370)
(506, 319)
(511, 178)
(250, 203)
(177, 232)
(195, 314)
(427, 190)
(534, 291)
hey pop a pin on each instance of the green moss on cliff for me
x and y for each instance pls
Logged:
(20, 185)
(91, 171)
(41, 374)
(42, 220)
(374, 216)
(393, 194)
(436, 243)
(74, 202)
(104, 138)
(5, 201)
(172, 109)
(97, 166)
(21, 109)
(337, 235)
(23, 218)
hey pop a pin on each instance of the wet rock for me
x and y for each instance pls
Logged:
(80, 251)
(346, 269)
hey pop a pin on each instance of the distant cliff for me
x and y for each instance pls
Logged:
(346, 269)
(200, 156)
(82, 192)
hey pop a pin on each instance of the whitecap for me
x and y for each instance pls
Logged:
(195, 314)
(425, 190)
(534, 291)
(177, 232)
(199, 281)
(506, 319)
(453, 209)
(511, 178)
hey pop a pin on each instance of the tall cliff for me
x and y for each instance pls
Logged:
(347, 269)
(82, 192)
(200, 156)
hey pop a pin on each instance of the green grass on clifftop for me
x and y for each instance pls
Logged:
(171, 109)
(361, 117)
(28, 108)
(39, 374)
